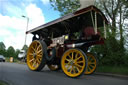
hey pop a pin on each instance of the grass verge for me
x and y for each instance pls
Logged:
(3, 83)
(8, 59)
(113, 69)
(15, 60)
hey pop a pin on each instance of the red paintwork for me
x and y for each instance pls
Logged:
(60, 51)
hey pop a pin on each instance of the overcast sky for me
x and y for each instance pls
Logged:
(13, 26)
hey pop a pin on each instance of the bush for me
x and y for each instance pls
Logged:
(111, 53)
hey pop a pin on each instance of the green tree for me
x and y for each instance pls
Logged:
(116, 11)
(25, 47)
(16, 53)
(65, 6)
(114, 51)
(2, 49)
(10, 52)
(2, 46)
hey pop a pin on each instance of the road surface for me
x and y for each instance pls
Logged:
(18, 74)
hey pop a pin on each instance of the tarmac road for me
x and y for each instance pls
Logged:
(18, 74)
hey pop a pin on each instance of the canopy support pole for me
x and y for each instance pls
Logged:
(105, 30)
(95, 29)
(92, 19)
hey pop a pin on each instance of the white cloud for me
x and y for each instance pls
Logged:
(35, 15)
(45, 2)
(12, 29)
(7, 22)
(4, 33)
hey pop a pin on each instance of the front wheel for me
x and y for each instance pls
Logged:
(35, 56)
(74, 62)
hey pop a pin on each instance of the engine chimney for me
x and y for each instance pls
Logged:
(86, 3)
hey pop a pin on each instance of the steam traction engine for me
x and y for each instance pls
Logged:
(64, 43)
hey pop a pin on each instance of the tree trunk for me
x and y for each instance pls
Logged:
(121, 30)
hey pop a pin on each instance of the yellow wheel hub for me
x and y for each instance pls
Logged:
(34, 55)
(73, 63)
(91, 64)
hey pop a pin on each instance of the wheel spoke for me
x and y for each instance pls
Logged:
(33, 49)
(39, 55)
(30, 57)
(68, 63)
(77, 58)
(37, 64)
(38, 47)
(89, 69)
(39, 51)
(80, 62)
(89, 58)
(74, 71)
(91, 63)
(38, 61)
(34, 63)
(76, 55)
(77, 69)
(67, 66)
(30, 54)
(77, 65)
(31, 60)
(72, 55)
(71, 69)
(68, 60)
(40, 58)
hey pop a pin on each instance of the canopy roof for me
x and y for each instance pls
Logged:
(72, 22)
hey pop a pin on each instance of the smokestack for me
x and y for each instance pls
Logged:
(86, 3)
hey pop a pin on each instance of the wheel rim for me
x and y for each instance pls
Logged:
(34, 55)
(91, 64)
(53, 67)
(73, 63)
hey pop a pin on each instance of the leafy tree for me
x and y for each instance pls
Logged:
(110, 52)
(16, 53)
(10, 52)
(116, 12)
(2, 49)
(113, 50)
(25, 47)
(65, 6)
(2, 46)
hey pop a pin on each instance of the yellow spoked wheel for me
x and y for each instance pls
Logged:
(53, 67)
(73, 62)
(92, 62)
(35, 59)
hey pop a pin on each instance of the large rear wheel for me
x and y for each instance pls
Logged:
(92, 63)
(74, 62)
(35, 58)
